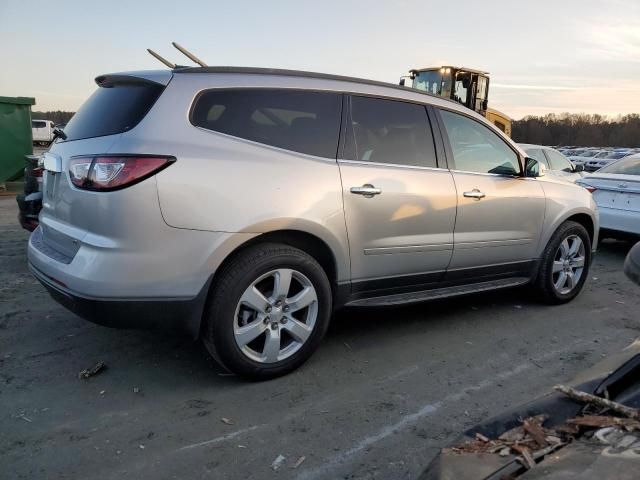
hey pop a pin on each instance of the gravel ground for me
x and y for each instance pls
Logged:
(385, 391)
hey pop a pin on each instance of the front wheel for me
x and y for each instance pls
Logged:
(564, 264)
(270, 308)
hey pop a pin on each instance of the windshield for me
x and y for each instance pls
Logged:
(616, 155)
(627, 166)
(433, 81)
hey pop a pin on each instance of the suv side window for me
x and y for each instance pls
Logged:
(538, 154)
(302, 121)
(389, 131)
(476, 148)
(558, 161)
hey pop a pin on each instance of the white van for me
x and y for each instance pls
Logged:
(42, 131)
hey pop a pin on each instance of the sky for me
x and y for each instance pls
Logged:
(543, 56)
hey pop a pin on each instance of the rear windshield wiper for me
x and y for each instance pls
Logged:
(58, 132)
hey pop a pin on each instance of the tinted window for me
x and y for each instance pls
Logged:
(113, 109)
(558, 161)
(387, 131)
(305, 122)
(476, 148)
(38, 124)
(538, 154)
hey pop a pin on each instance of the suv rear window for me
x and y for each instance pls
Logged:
(38, 124)
(301, 121)
(113, 109)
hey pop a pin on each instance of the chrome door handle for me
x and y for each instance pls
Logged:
(475, 193)
(367, 190)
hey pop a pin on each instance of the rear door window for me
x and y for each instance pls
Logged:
(389, 131)
(112, 109)
(538, 154)
(558, 161)
(301, 121)
(38, 124)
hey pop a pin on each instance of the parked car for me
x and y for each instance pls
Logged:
(42, 131)
(245, 205)
(555, 162)
(616, 190)
(30, 201)
(582, 156)
(602, 161)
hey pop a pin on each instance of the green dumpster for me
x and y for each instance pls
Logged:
(16, 140)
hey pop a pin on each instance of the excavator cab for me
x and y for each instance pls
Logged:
(464, 85)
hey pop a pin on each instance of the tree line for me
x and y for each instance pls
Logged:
(580, 129)
(57, 116)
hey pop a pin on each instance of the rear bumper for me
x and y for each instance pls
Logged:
(168, 314)
(624, 221)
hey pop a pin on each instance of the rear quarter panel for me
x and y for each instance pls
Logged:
(226, 184)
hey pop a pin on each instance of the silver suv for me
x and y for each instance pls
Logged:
(245, 205)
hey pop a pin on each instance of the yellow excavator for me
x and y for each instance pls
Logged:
(467, 86)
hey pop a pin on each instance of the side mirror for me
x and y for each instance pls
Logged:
(485, 105)
(533, 168)
(402, 82)
(578, 168)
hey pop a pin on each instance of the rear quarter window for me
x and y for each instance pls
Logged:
(300, 121)
(113, 109)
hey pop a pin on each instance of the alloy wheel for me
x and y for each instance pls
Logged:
(568, 264)
(275, 315)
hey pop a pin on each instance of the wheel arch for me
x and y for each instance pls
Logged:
(584, 217)
(332, 262)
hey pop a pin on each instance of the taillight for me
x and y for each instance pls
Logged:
(105, 173)
(37, 172)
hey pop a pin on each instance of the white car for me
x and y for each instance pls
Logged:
(555, 163)
(604, 158)
(583, 156)
(42, 131)
(616, 190)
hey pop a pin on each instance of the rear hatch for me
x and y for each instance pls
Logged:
(116, 107)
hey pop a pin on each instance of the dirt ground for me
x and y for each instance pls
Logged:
(386, 389)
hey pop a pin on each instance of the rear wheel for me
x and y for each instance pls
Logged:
(564, 264)
(270, 308)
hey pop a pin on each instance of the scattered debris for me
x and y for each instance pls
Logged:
(299, 462)
(141, 447)
(598, 421)
(347, 345)
(226, 420)
(24, 417)
(242, 446)
(588, 398)
(136, 390)
(517, 306)
(504, 452)
(277, 463)
(90, 372)
(102, 392)
(481, 437)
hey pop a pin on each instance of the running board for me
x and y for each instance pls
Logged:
(438, 293)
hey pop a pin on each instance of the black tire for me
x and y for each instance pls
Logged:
(543, 284)
(232, 281)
